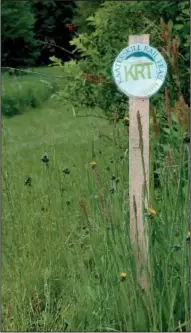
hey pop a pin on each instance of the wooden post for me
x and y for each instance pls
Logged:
(139, 176)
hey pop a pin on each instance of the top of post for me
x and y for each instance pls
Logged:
(136, 39)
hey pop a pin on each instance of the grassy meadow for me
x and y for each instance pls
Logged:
(65, 223)
(28, 89)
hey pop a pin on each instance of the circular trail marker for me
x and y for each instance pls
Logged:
(139, 70)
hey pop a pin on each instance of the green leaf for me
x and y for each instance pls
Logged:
(170, 26)
(166, 148)
(178, 26)
(166, 130)
(186, 12)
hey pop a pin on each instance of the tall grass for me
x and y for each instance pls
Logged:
(65, 235)
(27, 91)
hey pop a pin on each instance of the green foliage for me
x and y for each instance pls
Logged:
(177, 17)
(17, 14)
(83, 94)
(181, 29)
(50, 30)
(109, 36)
(83, 11)
(34, 30)
(177, 14)
(18, 41)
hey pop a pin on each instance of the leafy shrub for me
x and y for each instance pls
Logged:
(82, 94)
(98, 50)
(110, 35)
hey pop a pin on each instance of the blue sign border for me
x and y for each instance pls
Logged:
(135, 50)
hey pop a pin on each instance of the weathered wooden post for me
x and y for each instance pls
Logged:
(139, 126)
(139, 71)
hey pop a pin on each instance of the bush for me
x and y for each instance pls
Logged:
(110, 35)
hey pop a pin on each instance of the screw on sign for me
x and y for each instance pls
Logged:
(139, 71)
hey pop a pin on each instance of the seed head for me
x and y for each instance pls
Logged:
(45, 159)
(126, 121)
(66, 171)
(123, 276)
(152, 211)
(28, 181)
(188, 237)
(93, 164)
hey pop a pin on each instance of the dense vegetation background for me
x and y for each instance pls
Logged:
(32, 32)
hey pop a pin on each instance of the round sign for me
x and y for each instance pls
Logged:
(139, 70)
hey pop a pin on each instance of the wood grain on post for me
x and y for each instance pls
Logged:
(138, 176)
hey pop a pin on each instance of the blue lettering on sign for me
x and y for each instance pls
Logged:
(117, 71)
(151, 51)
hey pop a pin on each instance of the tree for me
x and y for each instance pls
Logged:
(50, 28)
(32, 31)
(83, 10)
(18, 41)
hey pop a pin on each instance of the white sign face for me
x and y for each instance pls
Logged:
(139, 71)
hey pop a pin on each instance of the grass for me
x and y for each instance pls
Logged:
(23, 92)
(65, 239)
